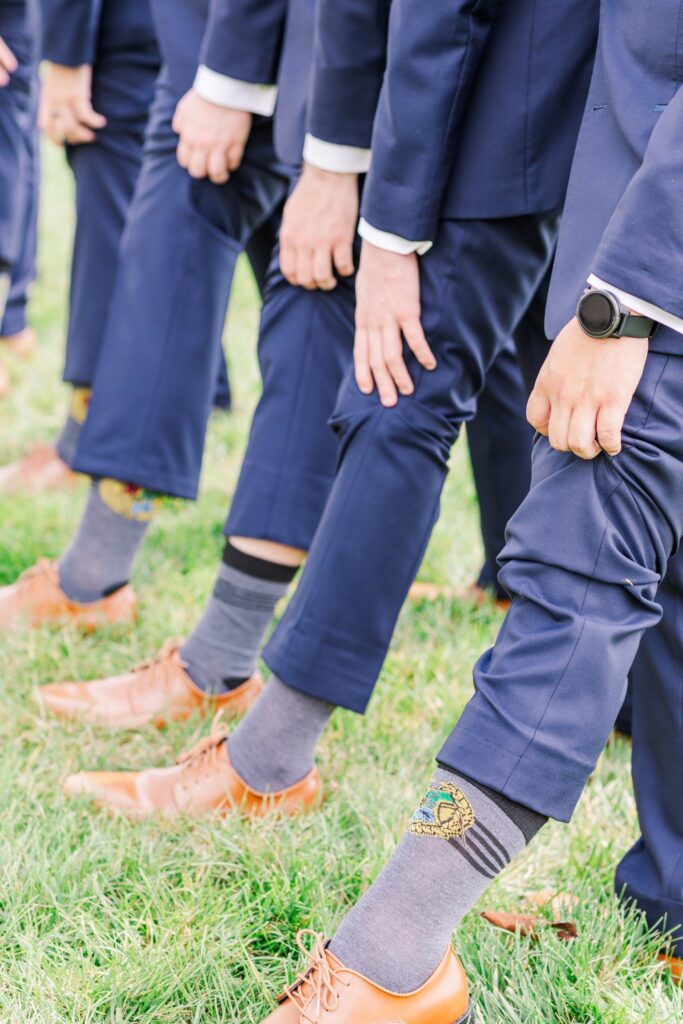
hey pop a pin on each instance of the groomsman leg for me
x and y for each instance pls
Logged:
(305, 345)
(154, 384)
(585, 555)
(651, 873)
(14, 330)
(330, 644)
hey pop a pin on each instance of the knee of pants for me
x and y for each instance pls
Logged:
(577, 541)
(410, 424)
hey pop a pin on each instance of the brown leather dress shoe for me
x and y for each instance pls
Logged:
(473, 594)
(40, 470)
(37, 598)
(329, 993)
(22, 343)
(202, 782)
(675, 965)
(158, 691)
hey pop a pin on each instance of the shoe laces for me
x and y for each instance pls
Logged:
(38, 455)
(161, 669)
(314, 990)
(30, 577)
(203, 760)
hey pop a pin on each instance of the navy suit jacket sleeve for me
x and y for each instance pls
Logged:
(642, 249)
(243, 39)
(69, 31)
(349, 58)
(433, 53)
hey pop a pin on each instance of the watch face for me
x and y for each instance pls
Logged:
(599, 314)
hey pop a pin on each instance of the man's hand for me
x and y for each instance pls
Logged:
(212, 138)
(584, 390)
(318, 228)
(387, 311)
(8, 63)
(66, 113)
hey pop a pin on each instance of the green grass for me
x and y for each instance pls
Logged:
(106, 921)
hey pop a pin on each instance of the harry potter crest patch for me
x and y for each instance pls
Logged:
(128, 501)
(444, 811)
(80, 402)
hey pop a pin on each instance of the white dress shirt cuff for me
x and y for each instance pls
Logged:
(331, 156)
(637, 305)
(392, 243)
(231, 92)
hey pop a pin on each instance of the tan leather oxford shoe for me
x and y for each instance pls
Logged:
(37, 598)
(329, 993)
(675, 965)
(36, 472)
(202, 782)
(158, 691)
(473, 594)
(22, 343)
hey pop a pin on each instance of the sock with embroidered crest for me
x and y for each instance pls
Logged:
(460, 838)
(68, 437)
(100, 557)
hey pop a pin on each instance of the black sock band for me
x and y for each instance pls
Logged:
(527, 821)
(260, 568)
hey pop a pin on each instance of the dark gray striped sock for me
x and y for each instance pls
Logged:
(223, 649)
(460, 838)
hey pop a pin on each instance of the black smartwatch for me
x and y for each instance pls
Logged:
(601, 316)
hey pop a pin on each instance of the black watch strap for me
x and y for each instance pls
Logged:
(636, 327)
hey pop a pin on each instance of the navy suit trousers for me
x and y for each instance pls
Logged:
(106, 172)
(17, 141)
(305, 346)
(500, 438)
(478, 282)
(24, 266)
(161, 353)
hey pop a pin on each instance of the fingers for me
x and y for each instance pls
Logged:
(323, 274)
(361, 358)
(217, 168)
(304, 267)
(582, 433)
(234, 156)
(392, 348)
(342, 256)
(8, 63)
(538, 411)
(417, 343)
(383, 379)
(87, 116)
(558, 426)
(197, 163)
(610, 423)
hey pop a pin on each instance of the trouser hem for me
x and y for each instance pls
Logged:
(536, 779)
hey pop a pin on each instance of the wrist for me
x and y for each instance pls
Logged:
(602, 316)
(326, 176)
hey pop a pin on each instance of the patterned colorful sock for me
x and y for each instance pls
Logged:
(222, 650)
(101, 555)
(70, 432)
(460, 838)
(274, 745)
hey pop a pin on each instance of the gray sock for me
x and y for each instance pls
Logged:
(223, 649)
(100, 557)
(274, 745)
(460, 838)
(68, 438)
